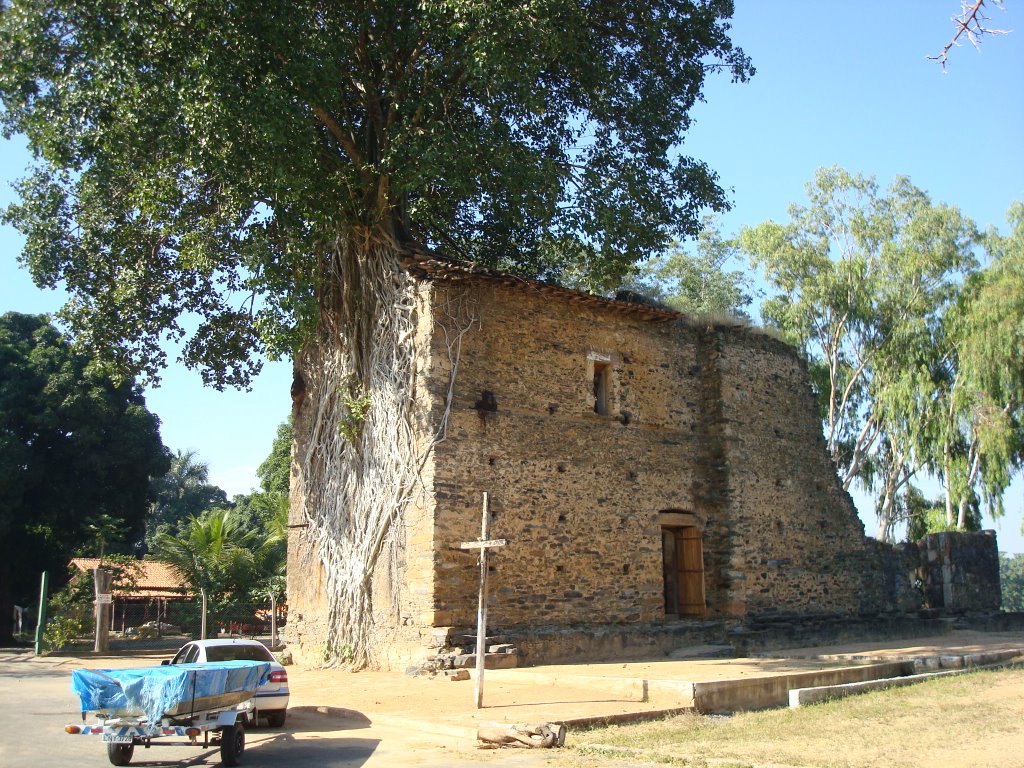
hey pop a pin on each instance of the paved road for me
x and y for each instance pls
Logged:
(36, 703)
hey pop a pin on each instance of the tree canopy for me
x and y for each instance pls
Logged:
(207, 159)
(698, 282)
(77, 451)
(275, 471)
(913, 346)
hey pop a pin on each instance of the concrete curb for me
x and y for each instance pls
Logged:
(799, 697)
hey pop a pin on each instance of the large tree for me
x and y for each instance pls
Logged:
(978, 443)
(268, 169)
(76, 449)
(863, 278)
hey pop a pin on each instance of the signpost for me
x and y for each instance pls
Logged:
(483, 544)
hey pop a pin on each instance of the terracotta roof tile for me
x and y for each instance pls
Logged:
(155, 580)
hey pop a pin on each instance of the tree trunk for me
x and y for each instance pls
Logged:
(102, 579)
(355, 454)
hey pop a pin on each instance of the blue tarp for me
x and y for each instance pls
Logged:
(155, 690)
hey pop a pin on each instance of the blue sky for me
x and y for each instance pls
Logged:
(838, 83)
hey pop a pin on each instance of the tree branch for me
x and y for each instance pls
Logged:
(969, 23)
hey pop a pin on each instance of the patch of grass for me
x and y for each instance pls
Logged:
(969, 720)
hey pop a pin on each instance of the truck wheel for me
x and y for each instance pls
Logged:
(120, 754)
(232, 744)
(276, 719)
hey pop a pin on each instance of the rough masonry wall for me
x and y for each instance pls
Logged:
(890, 578)
(959, 572)
(799, 544)
(719, 425)
(576, 493)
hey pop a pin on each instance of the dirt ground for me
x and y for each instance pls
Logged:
(438, 720)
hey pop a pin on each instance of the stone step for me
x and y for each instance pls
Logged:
(491, 661)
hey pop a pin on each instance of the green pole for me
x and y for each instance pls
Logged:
(41, 624)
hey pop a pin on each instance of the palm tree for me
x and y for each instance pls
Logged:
(214, 555)
(183, 492)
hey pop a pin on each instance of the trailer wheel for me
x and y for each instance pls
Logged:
(232, 744)
(120, 754)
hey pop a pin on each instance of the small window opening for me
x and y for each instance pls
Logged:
(602, 386)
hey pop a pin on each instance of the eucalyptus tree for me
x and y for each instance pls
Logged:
(979, 442)
(697, 282)
(863, 278)
(265, 169)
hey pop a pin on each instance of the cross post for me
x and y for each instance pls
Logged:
(483, 544)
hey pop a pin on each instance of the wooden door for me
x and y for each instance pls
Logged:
(683, 563)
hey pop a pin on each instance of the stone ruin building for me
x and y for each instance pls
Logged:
(660, 481)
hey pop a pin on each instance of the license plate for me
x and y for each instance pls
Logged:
(113, 738)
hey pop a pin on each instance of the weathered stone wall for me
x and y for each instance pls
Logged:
(576, 493)
(797, 541)
(718, 424)
(960, 571)
(890, 579)
(948, 573)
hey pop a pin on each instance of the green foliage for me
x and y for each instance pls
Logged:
(697, 283)
(343, 654)
(922, 516)
(71, 610)
(1011, 577)
(65, 630)
(183, 492)
(357, 405)
(275, 471)
(863, 280)
(985, 399)
(236, 556)
(213, 553)
(204, 160)
(76, 448)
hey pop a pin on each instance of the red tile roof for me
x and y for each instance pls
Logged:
(155, 579)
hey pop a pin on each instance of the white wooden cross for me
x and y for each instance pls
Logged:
(483, 544)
